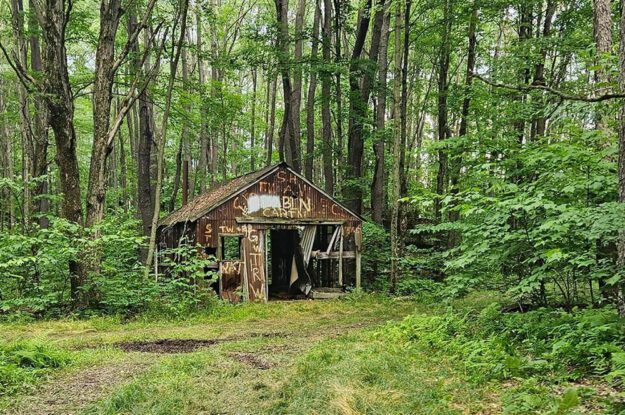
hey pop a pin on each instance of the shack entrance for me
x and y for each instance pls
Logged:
(305, 260)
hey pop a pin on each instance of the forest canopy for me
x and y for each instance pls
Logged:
(484, 142)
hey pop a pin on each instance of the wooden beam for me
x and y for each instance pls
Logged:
(333, 255)
(287, 221)
(358, 256)
(341, 258)
(333, 239)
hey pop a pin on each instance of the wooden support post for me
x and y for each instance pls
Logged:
(341, 258)
(156, 263)
(358, 238)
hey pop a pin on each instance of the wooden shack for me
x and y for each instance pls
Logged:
(273, 234)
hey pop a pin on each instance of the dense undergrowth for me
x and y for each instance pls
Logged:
(474, 355)
(25, 363)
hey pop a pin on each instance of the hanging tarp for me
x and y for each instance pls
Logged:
(300, 279)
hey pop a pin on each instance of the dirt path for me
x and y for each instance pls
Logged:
(71, 392)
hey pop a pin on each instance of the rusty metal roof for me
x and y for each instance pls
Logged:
(204, 203)
(220, 193)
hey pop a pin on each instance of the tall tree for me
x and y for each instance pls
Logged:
(378, 187)
(106, 66)
(443, 90)
(253, 122)
(360, 90)
(464, 115)
(310, 97)
(621, 163)
(326, 117)
(40, 129)
(176, 50)
(395, 181)
(202, 168)
(288, 139)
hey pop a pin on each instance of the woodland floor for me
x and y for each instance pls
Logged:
(252, 359)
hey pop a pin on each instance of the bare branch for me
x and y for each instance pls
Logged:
(133, 36)
(562, 95)
(70, 6)
(132, 96)
(25, 79)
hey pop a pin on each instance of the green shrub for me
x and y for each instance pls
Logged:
(22, 364)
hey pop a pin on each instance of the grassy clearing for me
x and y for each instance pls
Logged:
(356, 356)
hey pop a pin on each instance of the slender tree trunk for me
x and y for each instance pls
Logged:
(396, 152)
(40, 130)
(253, 122)
(540, 123)
(21, 47)
(6, 155)
(464, 117)
(216, 92)
(525, 33)
(202, 169)
(442, 127)
(602, 31)
(337, 87)
(326, 119)
(621, 164)
(271, 126)
(310, 98)
(161, 141)
(123, 173)
(379, 195)
(184, 132)
(297, 76)
(404, 105)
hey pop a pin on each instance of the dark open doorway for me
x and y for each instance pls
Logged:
(299, 261)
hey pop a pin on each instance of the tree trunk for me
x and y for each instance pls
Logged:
(184, 132)
(6, 156)
(464, 115)
(145, 199)
(442, 127)
(253, 122)
(297, 76)
(404, 105)
(202, 169)
(288, 146)
(216, 92)
(396, 173)
(540, 123)
(621, 164)
(602, 31)
(21, 47)
(326, 118)
(110, 14)
(40, 131)
(272, 82)
(358, 104)
(378, 188)
(310, 98)
(337, 87)
(161, 141)
(60, 109)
